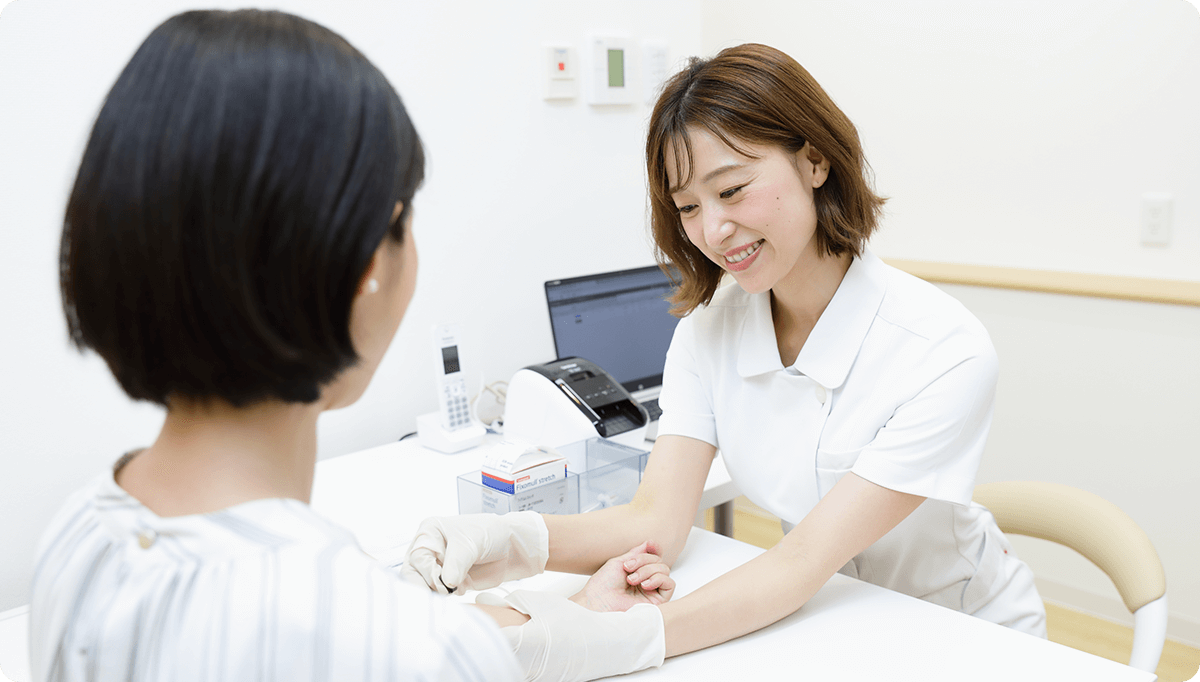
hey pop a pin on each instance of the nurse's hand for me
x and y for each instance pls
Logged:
(637, 577)
(476, 551)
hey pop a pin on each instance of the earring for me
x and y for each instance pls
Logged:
(372, 285)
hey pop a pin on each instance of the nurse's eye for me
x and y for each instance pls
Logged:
(728, 194)
(687, 210)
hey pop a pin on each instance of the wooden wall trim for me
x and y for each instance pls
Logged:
(1078, 284)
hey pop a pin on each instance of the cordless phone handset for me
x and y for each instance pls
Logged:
(453, 403)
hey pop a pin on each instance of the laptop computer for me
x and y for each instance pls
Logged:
(622, 322)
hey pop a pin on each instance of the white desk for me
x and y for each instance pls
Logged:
(407, 482)
(849, 630)
(382, 494)
(14, 645)
(853, 630)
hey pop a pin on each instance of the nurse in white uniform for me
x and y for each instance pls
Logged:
(848, 398)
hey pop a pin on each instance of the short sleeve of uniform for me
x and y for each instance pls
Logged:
(686, 400)
(933, 442)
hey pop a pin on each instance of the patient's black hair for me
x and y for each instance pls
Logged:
(239, 177)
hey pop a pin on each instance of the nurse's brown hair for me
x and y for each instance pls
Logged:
(753, 94)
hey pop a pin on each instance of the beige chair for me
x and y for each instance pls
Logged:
(1101, 532)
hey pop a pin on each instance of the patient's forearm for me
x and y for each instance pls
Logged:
(503, 615)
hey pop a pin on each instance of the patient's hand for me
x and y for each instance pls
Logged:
(637, 577)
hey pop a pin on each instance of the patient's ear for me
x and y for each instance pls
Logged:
(368, 284)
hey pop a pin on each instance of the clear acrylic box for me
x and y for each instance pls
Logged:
(600, 474)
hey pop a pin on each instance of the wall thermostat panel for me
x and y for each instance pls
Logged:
(612, 70)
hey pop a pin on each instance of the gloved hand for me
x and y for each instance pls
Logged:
(565, 642)
(476, 551)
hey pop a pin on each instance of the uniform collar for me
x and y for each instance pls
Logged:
(833, 344)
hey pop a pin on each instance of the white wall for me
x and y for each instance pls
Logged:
(1102, 395)
(1019, 133)
(1023, 134)
(518, 191)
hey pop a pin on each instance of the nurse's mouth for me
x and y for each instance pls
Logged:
(740, 260)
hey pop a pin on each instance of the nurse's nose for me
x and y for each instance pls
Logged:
(718, 227)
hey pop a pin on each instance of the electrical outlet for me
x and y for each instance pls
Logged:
(1156, 218)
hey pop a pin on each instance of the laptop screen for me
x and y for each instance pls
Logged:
(618, 320)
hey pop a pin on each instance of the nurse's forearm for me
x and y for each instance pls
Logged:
(748, 598)
(581, 543)
(849, 519)
(661, 511)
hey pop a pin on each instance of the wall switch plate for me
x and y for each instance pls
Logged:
(562, 71)
(1156, 218)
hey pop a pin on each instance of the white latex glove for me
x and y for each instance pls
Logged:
(564, 642)
(476, 551)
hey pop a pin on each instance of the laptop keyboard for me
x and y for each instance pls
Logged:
(652, 407)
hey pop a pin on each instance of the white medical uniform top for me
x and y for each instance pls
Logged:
(895, 383)
(265, 590)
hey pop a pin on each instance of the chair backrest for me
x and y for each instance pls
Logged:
(1101, 532)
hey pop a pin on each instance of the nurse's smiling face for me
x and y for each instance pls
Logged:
(753, 215)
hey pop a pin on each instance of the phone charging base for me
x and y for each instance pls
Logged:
(434, 437)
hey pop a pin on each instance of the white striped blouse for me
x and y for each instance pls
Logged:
(267, 590)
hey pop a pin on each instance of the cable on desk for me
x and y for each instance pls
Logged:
(499, 389)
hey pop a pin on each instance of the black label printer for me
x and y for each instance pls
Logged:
(569, 400)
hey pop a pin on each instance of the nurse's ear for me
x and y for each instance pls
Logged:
(812, 164)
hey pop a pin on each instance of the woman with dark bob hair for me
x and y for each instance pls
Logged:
(238, 248)
(848, 398)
